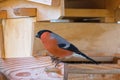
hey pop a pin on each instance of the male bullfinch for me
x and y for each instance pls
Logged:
(59, 48)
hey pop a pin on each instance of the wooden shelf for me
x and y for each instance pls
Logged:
(86, 13)
(71, 9)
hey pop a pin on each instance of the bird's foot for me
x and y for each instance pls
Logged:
(55, 60)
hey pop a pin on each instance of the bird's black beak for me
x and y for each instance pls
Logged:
(37, 35)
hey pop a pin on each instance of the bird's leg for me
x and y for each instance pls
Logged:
(55, 60)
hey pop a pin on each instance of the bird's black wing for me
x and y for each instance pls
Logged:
(71, 47)
(74, 49)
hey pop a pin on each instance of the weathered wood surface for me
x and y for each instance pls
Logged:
(18, 37)
(2, 76)
(25, 12)
(2, 54)
(32, 68)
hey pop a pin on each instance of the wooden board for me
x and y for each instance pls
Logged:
(25, 12)
(94, 39)
(18, 37)
(30, 68)
(86, 13)
(34, 68)
(2, 54)
(85, 4)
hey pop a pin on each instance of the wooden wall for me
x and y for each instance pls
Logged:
(18, 37)
(95, 39)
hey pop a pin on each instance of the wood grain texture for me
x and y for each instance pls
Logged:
(2, 54)
(25, 12)
(3, 14)
(86, 13)
(94, 39)
(2, 76)
(33, 68)
(18, 37)
(30, 68)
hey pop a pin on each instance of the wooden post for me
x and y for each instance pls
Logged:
(65, 71)
(2, 54)
(18, 35)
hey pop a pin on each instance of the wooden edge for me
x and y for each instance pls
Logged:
(2, 76)
(93, 69)
(32, 12)
(87, 13)
(3, 14)
(65, 71)
(99, 59)
(55, 3)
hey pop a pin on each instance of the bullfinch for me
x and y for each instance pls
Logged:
(59, 48)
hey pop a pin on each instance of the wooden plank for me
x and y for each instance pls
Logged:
(65, 71)
(3, 14)
(94, 39)
(2, 54)
(86, 13)
(25, 12)
(18, 37)
(85, 4)
(29, 68)
(93, 69)
(98, 59)
(117, 14)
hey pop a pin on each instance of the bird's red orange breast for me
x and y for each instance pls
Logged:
(51, 45)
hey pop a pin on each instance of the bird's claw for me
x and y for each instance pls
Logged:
(55, 60)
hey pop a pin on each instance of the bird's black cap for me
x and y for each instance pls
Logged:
(38, 35)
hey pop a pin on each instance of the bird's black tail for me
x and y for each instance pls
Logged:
(80, 53)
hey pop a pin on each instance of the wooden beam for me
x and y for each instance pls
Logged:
(18, 33)
(93, 69)
(97, 59)
(25, 12)
(2, 53)
(3, 14)
(86, 13)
